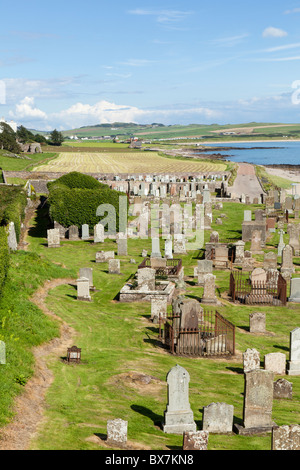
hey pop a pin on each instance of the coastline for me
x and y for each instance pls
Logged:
(248, 142)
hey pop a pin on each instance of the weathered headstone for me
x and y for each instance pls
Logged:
(295, 290)
(239, 252)
(270, 260)
(179, 244)
(104, 256)
(158, 309)
(209, 294)
(286, 438)
(83, 289)
(114, 266)
(146, 279)
(251, 360)
(155, 253)
(257, 322)
(12, 237)
(287, 266)
(275, 362)
(179, 417)
(283, 389)
(73, 232)
(256, 242)
(117, 432)
(122, 246)
(218, 418)
(99, 233)
(169, 248)
(53, 238)
(204, 267)
(195, 440)
(258, 403)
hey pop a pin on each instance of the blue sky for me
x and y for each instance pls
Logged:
(73, 63)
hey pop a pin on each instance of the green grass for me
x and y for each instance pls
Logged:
(8, 162)
(118, 339)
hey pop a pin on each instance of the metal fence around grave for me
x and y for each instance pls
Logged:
(215, 336)
(273, 291)
(172, 268)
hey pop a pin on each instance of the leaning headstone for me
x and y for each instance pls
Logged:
(117, 432)
(195, 440)
(2, 353)
(83, 289)
(179, 417)
(114, 266)
(258, 403)
(99, 233)
(53, 238)
(12, 237)
(257, 322)
(294, 359)
(283, 389)
(286, 438)
(275, 362)
(251, 360)
(218, 418)
(87, 273)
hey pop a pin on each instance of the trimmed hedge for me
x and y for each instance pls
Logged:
(4, 257)
(74, 199)
(13, 202)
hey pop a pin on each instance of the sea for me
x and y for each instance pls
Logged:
(261, 153)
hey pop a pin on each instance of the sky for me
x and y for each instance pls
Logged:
(69, 64)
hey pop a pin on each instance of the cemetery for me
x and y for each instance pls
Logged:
(180, 344)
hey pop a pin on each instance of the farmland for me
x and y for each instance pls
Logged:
(127, 162)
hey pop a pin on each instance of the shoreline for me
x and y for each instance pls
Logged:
(248, 142)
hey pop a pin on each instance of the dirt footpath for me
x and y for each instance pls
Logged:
(29, 407)
(246, 182)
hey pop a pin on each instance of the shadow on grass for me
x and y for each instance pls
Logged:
(157, 419)
(42, 220)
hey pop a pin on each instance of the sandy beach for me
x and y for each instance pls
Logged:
(292, 175)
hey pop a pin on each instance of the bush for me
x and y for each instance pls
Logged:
(12, 207)
(74, 199)
(4, 257)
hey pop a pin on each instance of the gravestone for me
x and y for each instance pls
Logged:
(294, 241)
(169, 248)
(99, 233)
(218, 418)
(179, 417)
(283, 389)
(258, 403)
(287, 266)
(295, 290)
(203, 267)
(158, 309)
(275, 362)
(256, 242)
(248, 262)
(258, 276)
(270, 260)
(247, 216)
(83, 289)
(88, 274)
(114, 266)
(104, 256)
(117, 432)
(146, 279)
(209, 294)
(2, 353)
(53, 238)
(12, 237)
(195, 440)
(214, 237)
(251, 360)
(257, 322)
(155, 248)
(122, 246)
(239, 252)
(73, 232)
(179, 244)
(286, 438)
(281, 243)
(294, 359)
(85, 232)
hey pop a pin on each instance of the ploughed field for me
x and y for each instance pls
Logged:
(127, 162)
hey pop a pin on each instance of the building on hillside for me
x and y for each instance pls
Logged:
(12, 124)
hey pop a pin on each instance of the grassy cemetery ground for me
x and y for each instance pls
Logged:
(123, 369)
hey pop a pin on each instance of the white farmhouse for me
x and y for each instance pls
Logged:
(12, 124)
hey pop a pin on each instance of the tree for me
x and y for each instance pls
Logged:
(56, 138)
(8, 139)
(24, 135)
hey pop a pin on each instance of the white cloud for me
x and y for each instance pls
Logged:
(294, 10)
(272, 32)
(163, 16)
(229, 41)
(26, 110)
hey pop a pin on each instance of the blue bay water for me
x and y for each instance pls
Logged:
(285, 153)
